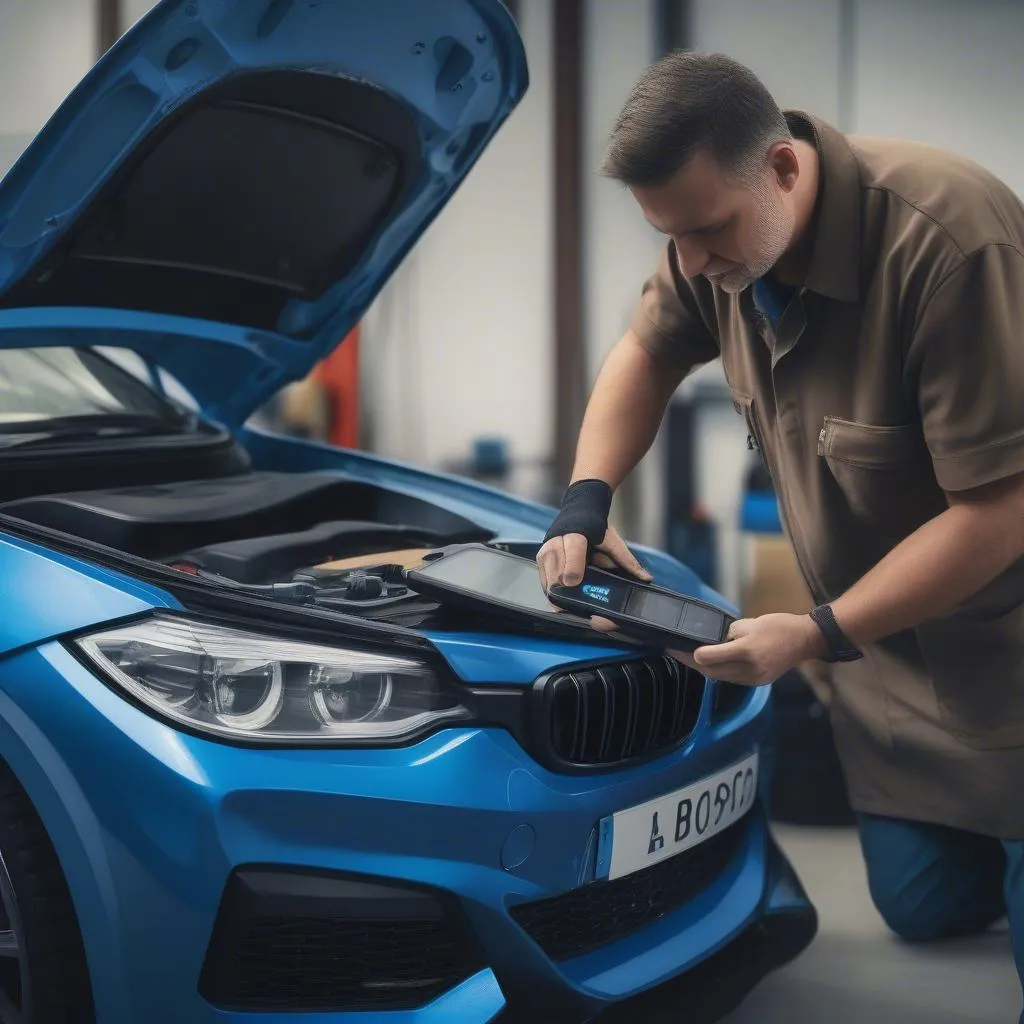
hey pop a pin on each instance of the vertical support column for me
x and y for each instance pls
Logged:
(570, 367)
(671, 26)
(109, 24)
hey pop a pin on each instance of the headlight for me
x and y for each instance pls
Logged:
(243, 685)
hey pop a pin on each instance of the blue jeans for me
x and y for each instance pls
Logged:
(931, 882)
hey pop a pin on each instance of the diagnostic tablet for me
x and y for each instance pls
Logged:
(644, 612)
(477, 576)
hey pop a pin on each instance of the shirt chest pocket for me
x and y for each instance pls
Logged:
(884, 472)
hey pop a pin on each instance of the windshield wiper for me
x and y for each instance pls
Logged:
(84, 428)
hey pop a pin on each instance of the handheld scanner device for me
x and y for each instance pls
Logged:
(649, 614)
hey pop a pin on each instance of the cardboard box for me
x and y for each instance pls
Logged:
(775, 585)
(774, 582)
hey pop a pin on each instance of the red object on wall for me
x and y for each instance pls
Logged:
(338, 375)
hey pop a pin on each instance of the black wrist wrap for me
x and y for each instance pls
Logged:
(585, 509)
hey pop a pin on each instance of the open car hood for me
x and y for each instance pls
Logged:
(233, 183)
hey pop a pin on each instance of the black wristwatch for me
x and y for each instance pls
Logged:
(839, 646)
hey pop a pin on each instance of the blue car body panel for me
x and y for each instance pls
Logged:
(149, 822)
(47, 595)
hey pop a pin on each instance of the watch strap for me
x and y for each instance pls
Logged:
(839, 645)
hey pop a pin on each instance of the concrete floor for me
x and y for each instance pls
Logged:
(855, 972)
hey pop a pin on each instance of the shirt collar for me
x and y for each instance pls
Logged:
(834, 269)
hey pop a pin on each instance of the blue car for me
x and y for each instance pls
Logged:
(247, 773)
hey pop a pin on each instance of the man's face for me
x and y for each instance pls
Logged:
(731, 232)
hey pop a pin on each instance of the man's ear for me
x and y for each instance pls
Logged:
(785, 166)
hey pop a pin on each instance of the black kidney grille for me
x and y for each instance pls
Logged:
(598, 914)
(622, 710)
(310, 964)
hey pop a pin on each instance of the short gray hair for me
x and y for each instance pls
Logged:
(688, 102)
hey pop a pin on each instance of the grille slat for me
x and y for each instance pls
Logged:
(608, 721)
(657, 709)
(579, 736)
(685, 679)
(601, 913)
(621, 711)
(634, 711)
(679, 693)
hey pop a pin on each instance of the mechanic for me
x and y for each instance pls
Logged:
(866, 298)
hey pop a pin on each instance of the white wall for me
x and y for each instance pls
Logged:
(46, 46)
(944, 72)
(132, 10)
(791, 45)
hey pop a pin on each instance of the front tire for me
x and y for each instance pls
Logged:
(43, 974)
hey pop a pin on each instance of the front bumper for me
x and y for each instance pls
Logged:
(150, 825)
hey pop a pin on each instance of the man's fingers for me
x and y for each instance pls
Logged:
(716, 655)
(574, 564)
(615, 546)
(739, 629)
(549, 562)
(602, 625)
(740, 672)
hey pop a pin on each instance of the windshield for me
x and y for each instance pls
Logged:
(43, 387)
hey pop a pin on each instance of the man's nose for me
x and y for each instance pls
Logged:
(693, 258)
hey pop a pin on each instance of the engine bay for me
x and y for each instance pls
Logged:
(312, 538)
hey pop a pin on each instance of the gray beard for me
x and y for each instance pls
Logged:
(776, 230)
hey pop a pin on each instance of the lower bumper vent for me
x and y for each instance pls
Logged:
(322, 942)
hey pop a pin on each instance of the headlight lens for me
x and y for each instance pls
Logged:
(238, 684)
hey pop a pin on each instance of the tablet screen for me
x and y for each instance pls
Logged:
(491, 574)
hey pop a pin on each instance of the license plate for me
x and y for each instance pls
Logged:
(653, 831)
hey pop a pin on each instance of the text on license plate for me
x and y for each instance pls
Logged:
(660, 828)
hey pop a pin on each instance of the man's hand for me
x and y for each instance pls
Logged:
(580, 532)
(759, 650)
(564, 559)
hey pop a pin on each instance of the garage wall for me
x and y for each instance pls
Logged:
(46, 46)
(944, 72)
(792, 45)
(132, 10)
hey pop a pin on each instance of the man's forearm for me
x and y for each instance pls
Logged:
(624, 412)
(936, 568)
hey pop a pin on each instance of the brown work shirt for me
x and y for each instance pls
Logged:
(896, 374)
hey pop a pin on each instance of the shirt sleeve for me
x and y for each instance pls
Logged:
(667, 320)
(966, 356)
